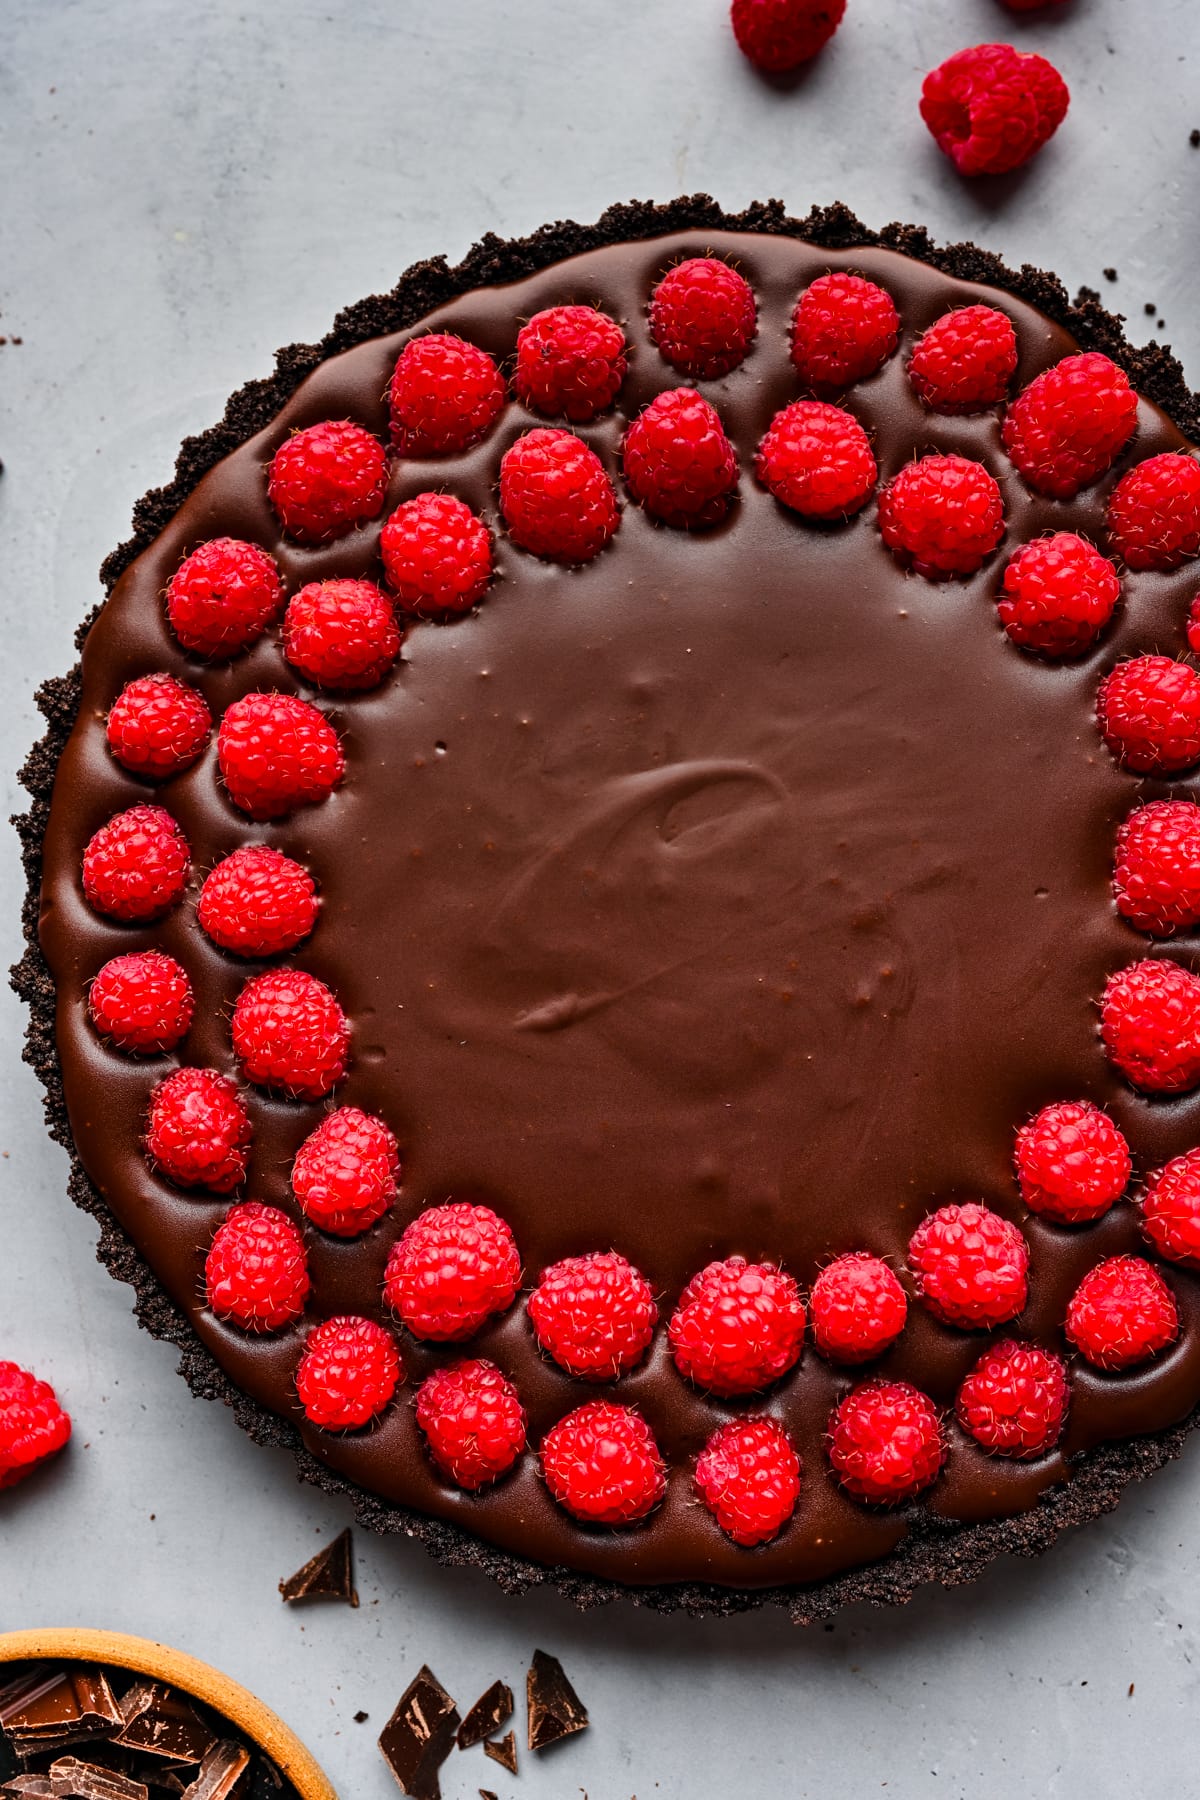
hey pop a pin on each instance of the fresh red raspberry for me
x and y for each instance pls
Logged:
(438, 555)
(33, 1426)
(748, 1476)
(964, 362)
(290, 1034)
(885, 1442)
(221, 599)
(971, 1266)
(341, 634)
(1072, 1162)
(942, 514)
(1122, 1313)
(198, 1131)
(257, 902)
(1149, 714)
(844, 328)
(344, 1175)
(1150, 1024)
(1070, 424)
(277, 752)
(454, 1266)
(1154, 512)
(738, 1326)
(348, 1372)
(136, 867)
(858, 1308)
(991, 108)
(817, 460)
(1171, 1210)
(595, 1315)
(1058, 595)
(780, 35)
(703, 317)
(1014, 1401)
(473, 1422)
(678, 462)
(570, 363)
(556, 497)
(158, 726)
(327, 479)
(1156, 874)
(256, 1271)
(142, 1002)
(602, 1464)
(445, 395)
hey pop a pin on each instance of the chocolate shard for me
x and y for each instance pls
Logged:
(47, 1707)
(27, 1787)
(327, 1575)
(503, 1750)
(486, 1794)
(555, 1709)
(160, 1722)
(75, 1780)
(419, 1736)
(220, 1773)
(486, 1716)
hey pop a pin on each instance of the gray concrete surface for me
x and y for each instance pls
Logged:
(185, 187)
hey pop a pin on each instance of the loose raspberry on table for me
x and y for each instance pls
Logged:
(33, 1426)
(136, 867)
(256, 1270)
(602, 1464)
(142, 1002)
(991, 108)
(678, 462)
(452, 1268)
(844, 328)
(348, 1372)
(1156, 874)
(1058, 595)
(556, 497)
(1148, 710)
(158, 726)
(438, 556)
(738, 1326)
(817, 460)
(570, 363)
(326, 479)
(1014, 1401)
(1070, 424)
(858, 1307)
(344, 1173)
(965, 360)
(473, 1421)
(1154, 512)
(276, 752)
(971, 1266)
(594, 1314)
(885, 1442)
(942, 514)
(198, 1130)
(748, 1476)
(780, 35)
(290, 1034)
(703, 317)
(1122, 1313)
(1150, 1024)
(257, 902)
(1171, 1210)
(445, 395)
(341, 634)
(1072, 1162)
(222, 598)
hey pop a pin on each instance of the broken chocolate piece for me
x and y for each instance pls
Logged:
(327, 1575)
(27, 1787)
(75, 1780)
(49, 1708)
(486, 1716)
(160, 1722)
(220, 1772)
(419, 1736)
(555, 1709)
(486, 1794)
(503, 1750)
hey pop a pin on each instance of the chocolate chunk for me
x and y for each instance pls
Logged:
(555, 1709)
(486, 1794)
(28, 1786)
(418, 1737)
(328, 1575)
(487, 1715)
(503, 1750)
(160, 1722)
(49, 1708)
(220, 1772)
(75, 1780)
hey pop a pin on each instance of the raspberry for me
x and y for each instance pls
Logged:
(158, 726)
(748, 1476)
(257, 902)
(1068, 426)
(858, 1308)
(678, 461)
(1122, 1313)
(885, 1441)
(1154, 512)
(943, 514)
(1171, 1210)
(844, 328)
(570, 363)
(1072, 1162)
(1058, 595)
(738, 1326)
(290, 1034)
(1156, 875)
(473, 1422)
(703, 317)
(1150, 1023)
(222, 598)
(344, 1175)
(1149, 714)
(1014, 1400)
(454, 1266)
(348, 1372)
(256, 1272)
(964, 362)
(33, 1426)
(198, 1131)
(971, 1266)
(595, 1315)
(276, 752)
(437, 554)
(327, 479)
(142, 1002)
(556, 497)
(445, 395)
(991, 108)
(341, 634)
(780, 35)
(602, 1464)
(817, 460)
(136, 867)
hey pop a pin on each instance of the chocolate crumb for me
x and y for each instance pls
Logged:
(1150, 307)
(1194, 138)
(486, 1794)
(360, 1718)
(419, 1736)
(555, 1709)
(486, 1716)
(1110, 274)
(327, 1575)
(503, 1750)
